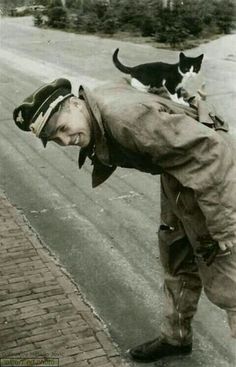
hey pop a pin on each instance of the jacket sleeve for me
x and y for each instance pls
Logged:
(198, 157)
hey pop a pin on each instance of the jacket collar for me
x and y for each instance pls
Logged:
(97, 150)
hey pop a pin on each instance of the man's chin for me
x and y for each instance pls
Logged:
(84, 142)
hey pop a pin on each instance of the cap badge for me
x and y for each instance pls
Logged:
(20, 117)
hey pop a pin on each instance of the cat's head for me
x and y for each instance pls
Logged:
(189, 65)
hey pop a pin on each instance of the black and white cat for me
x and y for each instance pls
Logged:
(146, 77)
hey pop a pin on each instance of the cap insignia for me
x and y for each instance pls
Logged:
(20, 117)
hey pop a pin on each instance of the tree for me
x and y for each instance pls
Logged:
(147, 26)
(57, 17)
(38, 19)
(109, 23)
(42, 2)
(109, 26)
(74, 4)
(224, 15)
(170, 26)
(130, 14)
(151, 17)
(189, 15)
(5, 5)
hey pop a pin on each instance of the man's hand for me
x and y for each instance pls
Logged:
(209, 248)
(225, 245)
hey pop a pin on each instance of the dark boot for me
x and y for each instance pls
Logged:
(157, 349)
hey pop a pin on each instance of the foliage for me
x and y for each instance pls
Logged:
(147, 26)
(54, 3)
(224, 15)
(57, 17)
(91, 23)
(170, 28)
(110, 25)
(42, 2)
(170, 21)
(38, 20)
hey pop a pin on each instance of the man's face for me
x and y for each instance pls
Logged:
(71, 125)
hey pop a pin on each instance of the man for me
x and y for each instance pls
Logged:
(119, 126)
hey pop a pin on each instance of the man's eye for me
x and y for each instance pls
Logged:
(63, 128)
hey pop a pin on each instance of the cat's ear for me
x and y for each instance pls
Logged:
(182, 56)
(200, 57)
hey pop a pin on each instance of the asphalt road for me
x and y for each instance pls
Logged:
(105, 238)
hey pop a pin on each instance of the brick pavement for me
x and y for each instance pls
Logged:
(42, 313)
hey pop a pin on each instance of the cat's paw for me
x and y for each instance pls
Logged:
(202, 91)
(182, 101)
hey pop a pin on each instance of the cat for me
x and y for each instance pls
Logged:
(151, 76)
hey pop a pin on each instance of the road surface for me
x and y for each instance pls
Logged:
(105, 238)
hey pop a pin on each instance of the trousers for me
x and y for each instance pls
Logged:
(185, 272)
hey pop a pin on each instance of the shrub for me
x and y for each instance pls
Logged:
(109, 25)
(147, 26)
(224, 15)
(91, 23)
(38, 19)
(57, 17)
(87, 22)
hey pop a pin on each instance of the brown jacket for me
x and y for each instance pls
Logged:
(155, 135)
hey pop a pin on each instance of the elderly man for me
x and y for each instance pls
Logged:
(188, 146)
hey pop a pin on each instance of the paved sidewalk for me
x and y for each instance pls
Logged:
(42, 313)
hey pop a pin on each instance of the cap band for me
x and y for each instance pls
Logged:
(37, 126)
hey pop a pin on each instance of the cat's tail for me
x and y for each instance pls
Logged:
(121, 67)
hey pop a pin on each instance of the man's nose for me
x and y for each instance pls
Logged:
(63, 139)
